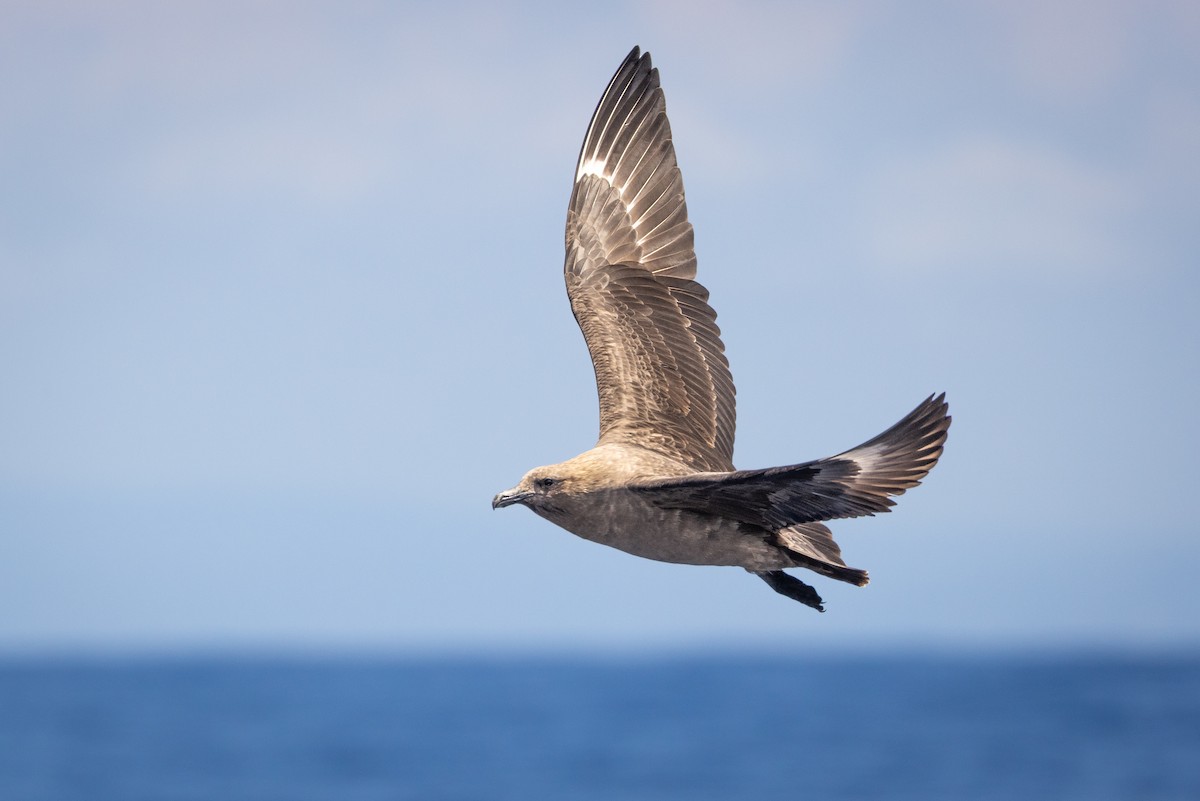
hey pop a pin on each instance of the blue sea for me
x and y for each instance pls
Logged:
(681, 727)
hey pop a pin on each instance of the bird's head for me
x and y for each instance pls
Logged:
(558, 488)
(537, 490)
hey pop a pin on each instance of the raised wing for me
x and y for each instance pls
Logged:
(858, 482)
(661, 372)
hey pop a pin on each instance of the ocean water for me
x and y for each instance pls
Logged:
(981, 727)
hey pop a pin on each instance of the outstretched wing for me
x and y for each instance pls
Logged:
(858, 482)
(661, 372)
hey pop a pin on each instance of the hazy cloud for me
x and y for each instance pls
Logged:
(996, 206)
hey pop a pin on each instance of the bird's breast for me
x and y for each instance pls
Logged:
(624, 520)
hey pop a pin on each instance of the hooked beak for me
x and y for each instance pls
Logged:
(509, 497)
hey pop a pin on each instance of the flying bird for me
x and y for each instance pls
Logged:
(660, 482)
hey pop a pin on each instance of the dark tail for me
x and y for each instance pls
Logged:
(811, 545)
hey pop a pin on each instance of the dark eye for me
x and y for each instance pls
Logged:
(545, 483)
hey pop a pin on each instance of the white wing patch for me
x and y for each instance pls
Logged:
(592, 166)
(867, 459)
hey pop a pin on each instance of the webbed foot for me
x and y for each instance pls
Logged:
(792, 587)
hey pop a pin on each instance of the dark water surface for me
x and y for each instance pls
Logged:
(1084, 727)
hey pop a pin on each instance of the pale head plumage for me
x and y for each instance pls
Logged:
(606, 466)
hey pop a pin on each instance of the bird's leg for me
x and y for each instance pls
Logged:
(792, 587)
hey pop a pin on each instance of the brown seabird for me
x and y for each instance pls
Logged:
(660, 482)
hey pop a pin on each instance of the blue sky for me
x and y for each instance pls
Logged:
(281, 309)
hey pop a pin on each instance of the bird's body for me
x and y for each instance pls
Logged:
(660, 482)
(608, 504)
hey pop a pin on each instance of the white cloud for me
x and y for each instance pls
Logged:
(268, 157)
(314, 101)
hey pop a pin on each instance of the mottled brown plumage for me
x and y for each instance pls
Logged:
(660, 482)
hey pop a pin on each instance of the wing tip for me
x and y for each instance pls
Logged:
(902, 456)
(637, 68)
